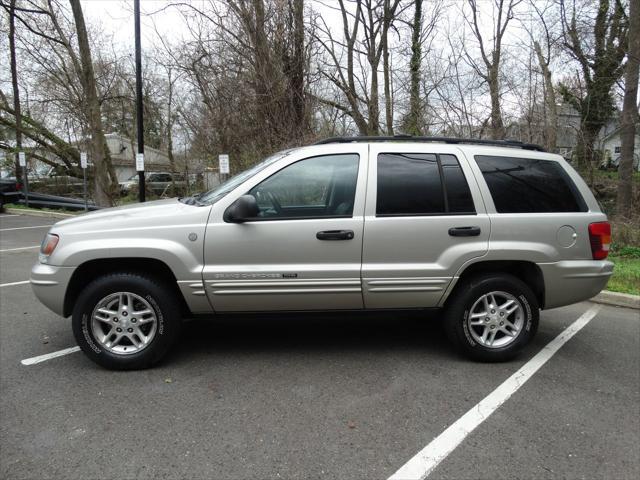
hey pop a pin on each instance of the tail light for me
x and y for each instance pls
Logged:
(600, 238)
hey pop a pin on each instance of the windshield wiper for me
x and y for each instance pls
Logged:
(192, 200)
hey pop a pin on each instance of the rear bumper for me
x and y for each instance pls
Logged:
(573, 281)
(49, 283)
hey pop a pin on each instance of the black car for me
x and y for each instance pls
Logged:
(9, 186)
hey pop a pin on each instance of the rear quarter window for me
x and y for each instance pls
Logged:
(524, 185)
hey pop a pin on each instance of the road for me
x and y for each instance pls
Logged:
(347, 397)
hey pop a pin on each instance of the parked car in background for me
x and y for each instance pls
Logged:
(57, 182)
(159, 183)
(8, 186)
(489, 232)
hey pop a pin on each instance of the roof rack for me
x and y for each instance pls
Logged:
(411, 138)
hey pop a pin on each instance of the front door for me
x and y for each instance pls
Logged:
(303, 250)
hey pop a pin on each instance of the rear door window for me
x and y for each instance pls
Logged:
(524, 185)
(421, 184)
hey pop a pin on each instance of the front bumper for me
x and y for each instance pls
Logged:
(574, 281)
(49, 283)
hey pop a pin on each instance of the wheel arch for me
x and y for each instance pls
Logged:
(92, 269)
(527, 272)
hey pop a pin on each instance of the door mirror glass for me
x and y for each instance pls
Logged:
(243, 209)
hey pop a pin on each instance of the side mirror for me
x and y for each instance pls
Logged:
(243, 209)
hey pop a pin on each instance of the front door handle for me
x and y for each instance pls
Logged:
(464, 231)
(335, 235)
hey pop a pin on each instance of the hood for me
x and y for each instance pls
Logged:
(136, 215)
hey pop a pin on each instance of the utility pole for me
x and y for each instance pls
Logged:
(139, 119)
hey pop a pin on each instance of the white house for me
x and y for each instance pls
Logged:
(123, 157)
(610, 145)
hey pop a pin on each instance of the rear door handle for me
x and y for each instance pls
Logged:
(335, 235)
(464, 231)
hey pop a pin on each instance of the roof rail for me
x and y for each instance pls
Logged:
(452, 140)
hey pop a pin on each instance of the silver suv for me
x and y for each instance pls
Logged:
(489, 232)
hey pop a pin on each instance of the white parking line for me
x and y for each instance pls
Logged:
(8, 215)
(427, 459)
(49, 356)
(13, 283)
(25, 228)
(19, 248)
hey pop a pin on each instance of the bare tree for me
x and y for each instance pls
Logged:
(629, 113)
(16, 88)
(492, 55)
(599, 46)
(105, 180)
(52, 48)
(543, 49)
(365, 28)
(344, 78)
(412, 123)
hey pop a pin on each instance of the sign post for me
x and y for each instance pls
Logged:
(223, 165)
(22, 160)
(139, 106)
(83, 165)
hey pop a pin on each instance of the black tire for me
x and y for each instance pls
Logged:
(465, 296)
(160, 297)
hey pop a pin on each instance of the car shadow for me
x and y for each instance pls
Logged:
(313, 333)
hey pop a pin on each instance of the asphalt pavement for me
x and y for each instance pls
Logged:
(348, 396)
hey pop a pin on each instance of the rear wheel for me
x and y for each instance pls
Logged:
(126, 321)
(492, 317)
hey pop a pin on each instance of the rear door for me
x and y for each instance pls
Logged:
(304, 250)
(424, 219)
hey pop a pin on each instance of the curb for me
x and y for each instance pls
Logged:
(618, 299)
(37, 213)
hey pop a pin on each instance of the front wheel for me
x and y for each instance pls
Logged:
(492, 317)
(126, 321)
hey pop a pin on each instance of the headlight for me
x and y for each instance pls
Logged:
(49, 244)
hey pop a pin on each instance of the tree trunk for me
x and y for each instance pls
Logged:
(497, 127)
(415, 106)
(388, 100)
(551, 117)
(373, 107)
(16, 88)
(172, 162)
(264, 77)
(297, 75)
(585, 149)
(629, 114)
(104, 175)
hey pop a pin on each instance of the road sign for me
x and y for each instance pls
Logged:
(83, 159)
(140, 162)
(223, 162)
(22, 159)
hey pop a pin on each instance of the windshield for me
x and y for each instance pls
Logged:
(221, 190)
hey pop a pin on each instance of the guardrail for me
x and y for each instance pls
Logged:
(41, 200)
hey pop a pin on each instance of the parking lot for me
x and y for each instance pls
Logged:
(349, 396)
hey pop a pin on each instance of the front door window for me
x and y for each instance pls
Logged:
(317, 187)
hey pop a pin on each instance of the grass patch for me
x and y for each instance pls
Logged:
(18, 206)
(626, 275)
(610, 174)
